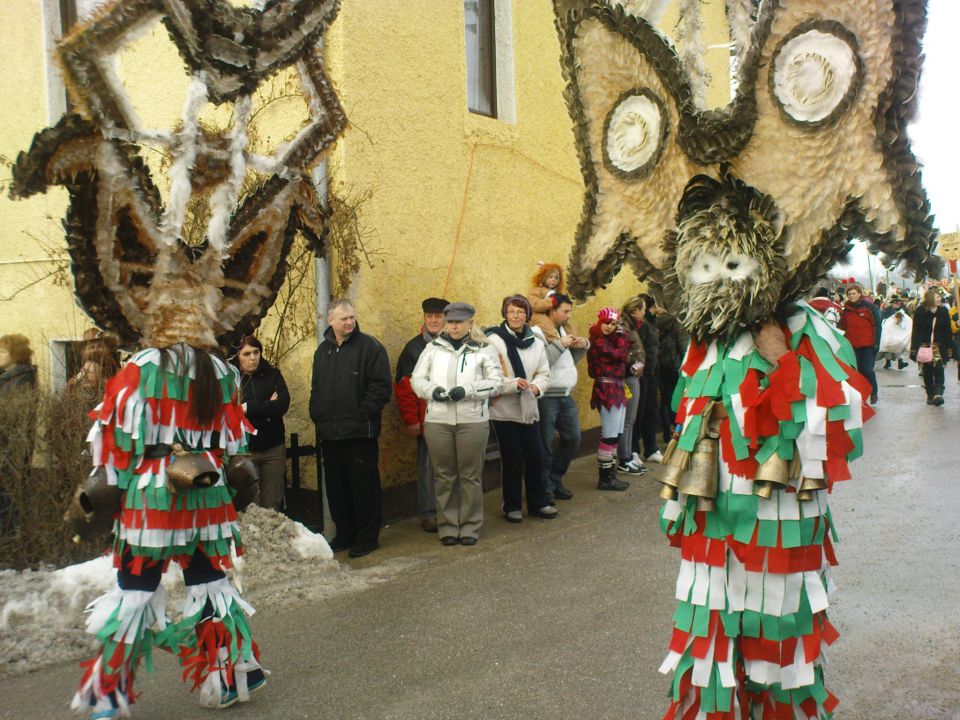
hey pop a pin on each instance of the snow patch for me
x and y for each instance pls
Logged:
(41, 611)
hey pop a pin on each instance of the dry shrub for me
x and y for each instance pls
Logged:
(42, 459)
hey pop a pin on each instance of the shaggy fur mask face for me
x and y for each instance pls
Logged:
(727, 265)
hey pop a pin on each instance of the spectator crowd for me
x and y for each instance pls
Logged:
(456, 383)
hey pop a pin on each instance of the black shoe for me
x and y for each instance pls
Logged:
(468, 540)
(614, 484)
(886, 365)
(339, 544)
(873, 398)
(450, 540)
(560, 492)
(901, 364)
(929, 399)
(364, 549)
(938, 400)
(429, 525)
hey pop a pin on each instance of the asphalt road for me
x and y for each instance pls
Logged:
(570, 618)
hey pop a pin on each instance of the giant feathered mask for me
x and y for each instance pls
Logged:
(736, 212)
(138, 272)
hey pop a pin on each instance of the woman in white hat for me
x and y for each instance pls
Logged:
(457, 374)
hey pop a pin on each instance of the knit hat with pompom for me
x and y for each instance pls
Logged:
(608, 314)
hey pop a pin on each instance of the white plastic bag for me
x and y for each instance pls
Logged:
(895, 333)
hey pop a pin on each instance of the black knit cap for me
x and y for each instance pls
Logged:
(434, 305)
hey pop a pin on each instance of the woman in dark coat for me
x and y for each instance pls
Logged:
(265, 399)
(931, 327)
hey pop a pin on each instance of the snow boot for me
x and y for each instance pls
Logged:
(608, 479)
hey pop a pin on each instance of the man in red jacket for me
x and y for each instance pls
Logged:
(412, 408)
(860, 322)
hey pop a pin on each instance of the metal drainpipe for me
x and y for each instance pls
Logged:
(321, 267)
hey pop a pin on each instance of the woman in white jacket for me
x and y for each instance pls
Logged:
(516, 418)
(457, 374)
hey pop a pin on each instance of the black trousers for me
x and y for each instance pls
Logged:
(351, 474)
(197, 572)
(647, 426)
(521, 461)
(933, 378)
(668, 383)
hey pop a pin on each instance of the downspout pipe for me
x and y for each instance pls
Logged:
(321, 265)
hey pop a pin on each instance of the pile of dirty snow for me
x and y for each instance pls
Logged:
(41, 612)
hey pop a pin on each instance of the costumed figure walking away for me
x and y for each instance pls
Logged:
(733, 215)
(179, 285)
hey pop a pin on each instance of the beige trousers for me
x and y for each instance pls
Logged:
(456, 452)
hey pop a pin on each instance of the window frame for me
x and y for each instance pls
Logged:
(491, 58)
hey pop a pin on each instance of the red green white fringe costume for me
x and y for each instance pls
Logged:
(144, 405)
(751, 624)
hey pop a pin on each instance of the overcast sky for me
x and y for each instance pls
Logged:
(935, 135)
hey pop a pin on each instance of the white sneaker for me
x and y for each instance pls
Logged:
(656, 457)
(631, 467)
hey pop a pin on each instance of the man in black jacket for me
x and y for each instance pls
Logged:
(350, 387)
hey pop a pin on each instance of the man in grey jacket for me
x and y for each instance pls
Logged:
(558, 411)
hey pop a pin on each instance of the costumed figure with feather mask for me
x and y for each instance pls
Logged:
(732, 214)
(169, 430)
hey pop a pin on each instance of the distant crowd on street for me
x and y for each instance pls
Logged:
(890, 324)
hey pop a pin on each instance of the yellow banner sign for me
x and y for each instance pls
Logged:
(949, 245)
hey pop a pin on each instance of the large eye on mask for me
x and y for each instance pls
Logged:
(732, 266)
(705, 268)
(738, 266)
(635, 133)
(815, 73)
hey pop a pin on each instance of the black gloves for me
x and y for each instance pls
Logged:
(457, 393)
(440, 395)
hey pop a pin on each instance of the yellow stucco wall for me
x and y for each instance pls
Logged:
(30, 301)
(459, 205)
(462, 205)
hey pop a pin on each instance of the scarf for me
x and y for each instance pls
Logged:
(455, 343)
(514, 343)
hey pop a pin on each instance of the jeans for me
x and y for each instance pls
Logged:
(521, 461)
(633, 404)
(558, 413)
(866, 359)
